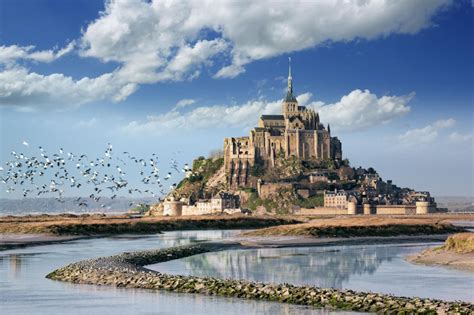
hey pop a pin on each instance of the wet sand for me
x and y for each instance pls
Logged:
(14, 240)
(302, 241)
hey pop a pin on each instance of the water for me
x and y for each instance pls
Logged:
(373, 268)
(25, 290)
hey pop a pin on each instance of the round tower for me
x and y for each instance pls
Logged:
(172, 208)
(422, 207)
(352, 207)
(367, 208)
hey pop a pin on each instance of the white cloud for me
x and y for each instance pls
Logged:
(184, 103)
(10, 54)
(458, 137)
(426, 134)
(154, 41)
(362, 109)
(28, 90)
(357, 110)
(242, 116)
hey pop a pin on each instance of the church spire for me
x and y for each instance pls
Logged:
(289, 67)
(289, 94)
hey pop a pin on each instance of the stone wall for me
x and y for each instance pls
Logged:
(172, 208)
(266, 191)
(395, 209)
(321, 211)
(194, 210)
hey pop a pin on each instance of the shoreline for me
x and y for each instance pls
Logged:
(457, 252)
(301, 241)
(439, 257)
(128, 270)
(15, 240)
(99, 226)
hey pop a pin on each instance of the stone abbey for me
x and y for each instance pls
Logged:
(297, 132)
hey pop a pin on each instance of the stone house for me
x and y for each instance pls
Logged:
(336, 199)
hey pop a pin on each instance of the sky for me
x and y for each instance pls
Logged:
(394, 79)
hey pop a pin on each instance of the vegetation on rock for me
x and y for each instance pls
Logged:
(460, 243)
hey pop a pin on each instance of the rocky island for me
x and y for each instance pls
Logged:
(289, 164)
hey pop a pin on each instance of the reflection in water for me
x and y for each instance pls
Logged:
(15, 265)
(24, 289)
(314, 266)
(363, 268)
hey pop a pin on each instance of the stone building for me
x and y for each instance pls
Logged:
(336, 198)
(296, 132)
(219, 203)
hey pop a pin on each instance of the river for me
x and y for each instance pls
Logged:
(376, 268)
(379, 268)
(25, 290)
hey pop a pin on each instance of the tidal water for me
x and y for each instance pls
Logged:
(25, 290)
(376, 268)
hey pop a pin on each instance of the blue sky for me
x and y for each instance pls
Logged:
(394, 79)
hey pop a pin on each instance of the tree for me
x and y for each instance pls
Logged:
(141, 208)
(371, 170)
(257, 170)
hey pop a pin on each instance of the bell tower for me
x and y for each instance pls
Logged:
(290, 104)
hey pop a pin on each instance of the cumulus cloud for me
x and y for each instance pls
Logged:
(23, 89)
(153, 41)
(426, 134)
(355, 111)
(362, 109)
(127, 31)
(242, 116)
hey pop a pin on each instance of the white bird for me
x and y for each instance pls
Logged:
(25, 143)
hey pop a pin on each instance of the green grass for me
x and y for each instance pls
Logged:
(311, 202)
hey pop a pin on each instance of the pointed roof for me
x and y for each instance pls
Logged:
(289, 94)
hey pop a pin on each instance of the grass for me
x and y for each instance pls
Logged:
(311, 202)
(461, 243)
(360, 226)
(97, 225)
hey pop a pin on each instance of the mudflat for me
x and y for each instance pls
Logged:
(12, 240)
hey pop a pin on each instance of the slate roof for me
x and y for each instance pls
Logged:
(272, 117)
(290, 97)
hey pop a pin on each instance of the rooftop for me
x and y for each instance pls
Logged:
(272, 117)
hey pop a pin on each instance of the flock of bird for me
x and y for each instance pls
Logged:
(53, 173)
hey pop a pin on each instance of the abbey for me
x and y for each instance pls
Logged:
(297, 132)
